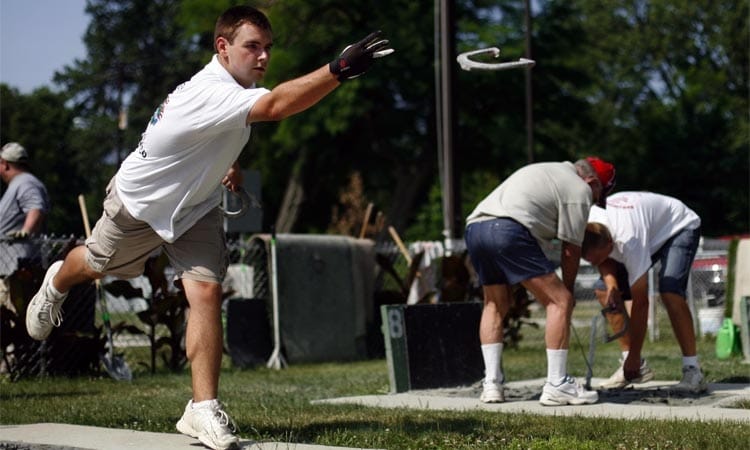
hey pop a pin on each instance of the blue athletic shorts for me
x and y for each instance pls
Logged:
(503, 251)
(676, 257)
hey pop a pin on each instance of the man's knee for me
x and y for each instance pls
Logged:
(562, 300)
(496, 298)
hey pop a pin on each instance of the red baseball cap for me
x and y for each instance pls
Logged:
(606, 173)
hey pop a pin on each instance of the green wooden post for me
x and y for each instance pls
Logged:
(396, 348)
(745, 327)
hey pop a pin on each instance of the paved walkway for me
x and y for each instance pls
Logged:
(653, 399)
(56, 436)
(649, 400)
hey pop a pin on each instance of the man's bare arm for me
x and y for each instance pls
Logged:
(297, 95)
(293, 96)
(34, 221)
(570, 259)
(608, 270)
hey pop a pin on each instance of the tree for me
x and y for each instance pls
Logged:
(377, 125)
(671, 93)
(137, 53)
(42, 123)
(383, 124)
(139, 50)
(660, 87)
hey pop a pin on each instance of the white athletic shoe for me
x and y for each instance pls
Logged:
(617, 380)
(692, 381)
(44, 312)
(210, 425)
(569, 392)
(492, 393)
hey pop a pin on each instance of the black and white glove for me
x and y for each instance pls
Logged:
(357, 58)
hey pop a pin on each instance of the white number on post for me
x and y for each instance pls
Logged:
(396, 323)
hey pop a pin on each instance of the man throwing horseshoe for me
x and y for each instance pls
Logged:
(166, 195)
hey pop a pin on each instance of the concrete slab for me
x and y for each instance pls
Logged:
(653, 400)
(56, 436)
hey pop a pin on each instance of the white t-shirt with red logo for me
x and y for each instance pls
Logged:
(174, 176)
(640, 224)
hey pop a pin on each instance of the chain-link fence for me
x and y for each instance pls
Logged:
(71, 348)
(147, 314)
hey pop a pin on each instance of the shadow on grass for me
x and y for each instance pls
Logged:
(42, 395)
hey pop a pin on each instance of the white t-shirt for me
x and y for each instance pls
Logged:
(174, 176)
(640, 223)
(549, 199)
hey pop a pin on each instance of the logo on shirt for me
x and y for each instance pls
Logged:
(159, 112)
(621, 201)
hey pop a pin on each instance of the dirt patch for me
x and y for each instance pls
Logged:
(631, 395)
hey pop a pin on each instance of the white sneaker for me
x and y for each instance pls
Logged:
(692, 381)
(617, 380)
(492, 393)
(210, 425)
(44, 312)
(569, 392)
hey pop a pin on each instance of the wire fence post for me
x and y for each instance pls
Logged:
(653, 328)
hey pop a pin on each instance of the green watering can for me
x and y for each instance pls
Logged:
(727, 340)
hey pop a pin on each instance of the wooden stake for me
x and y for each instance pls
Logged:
(365, 221)
(400, 244)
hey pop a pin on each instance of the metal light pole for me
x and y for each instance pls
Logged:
(446, 124)
(529, 112)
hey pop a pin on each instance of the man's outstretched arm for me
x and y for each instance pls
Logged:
(294, 96)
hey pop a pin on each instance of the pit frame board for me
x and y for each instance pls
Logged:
(432, 346)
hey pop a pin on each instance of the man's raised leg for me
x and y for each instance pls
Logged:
(45, 309)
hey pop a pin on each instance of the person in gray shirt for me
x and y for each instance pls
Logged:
(23, 209)
(505, 237)
(25, 203)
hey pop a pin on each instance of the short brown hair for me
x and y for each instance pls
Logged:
(597, 236)
(233, 18)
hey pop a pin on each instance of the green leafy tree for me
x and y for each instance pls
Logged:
(43, 124)
(378, 125)
(137, 52)
(670, 94)
(660, 87)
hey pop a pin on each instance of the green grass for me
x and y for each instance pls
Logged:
(275, 405)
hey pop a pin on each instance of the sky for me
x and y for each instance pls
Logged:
(37, 38)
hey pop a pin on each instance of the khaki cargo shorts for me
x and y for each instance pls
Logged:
(120, 245)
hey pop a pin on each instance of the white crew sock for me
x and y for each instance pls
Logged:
(493, 357)
(54, 293)
(205, 403)
(557, 362)
(690, 361)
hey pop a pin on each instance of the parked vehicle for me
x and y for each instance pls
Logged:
(708, 278)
